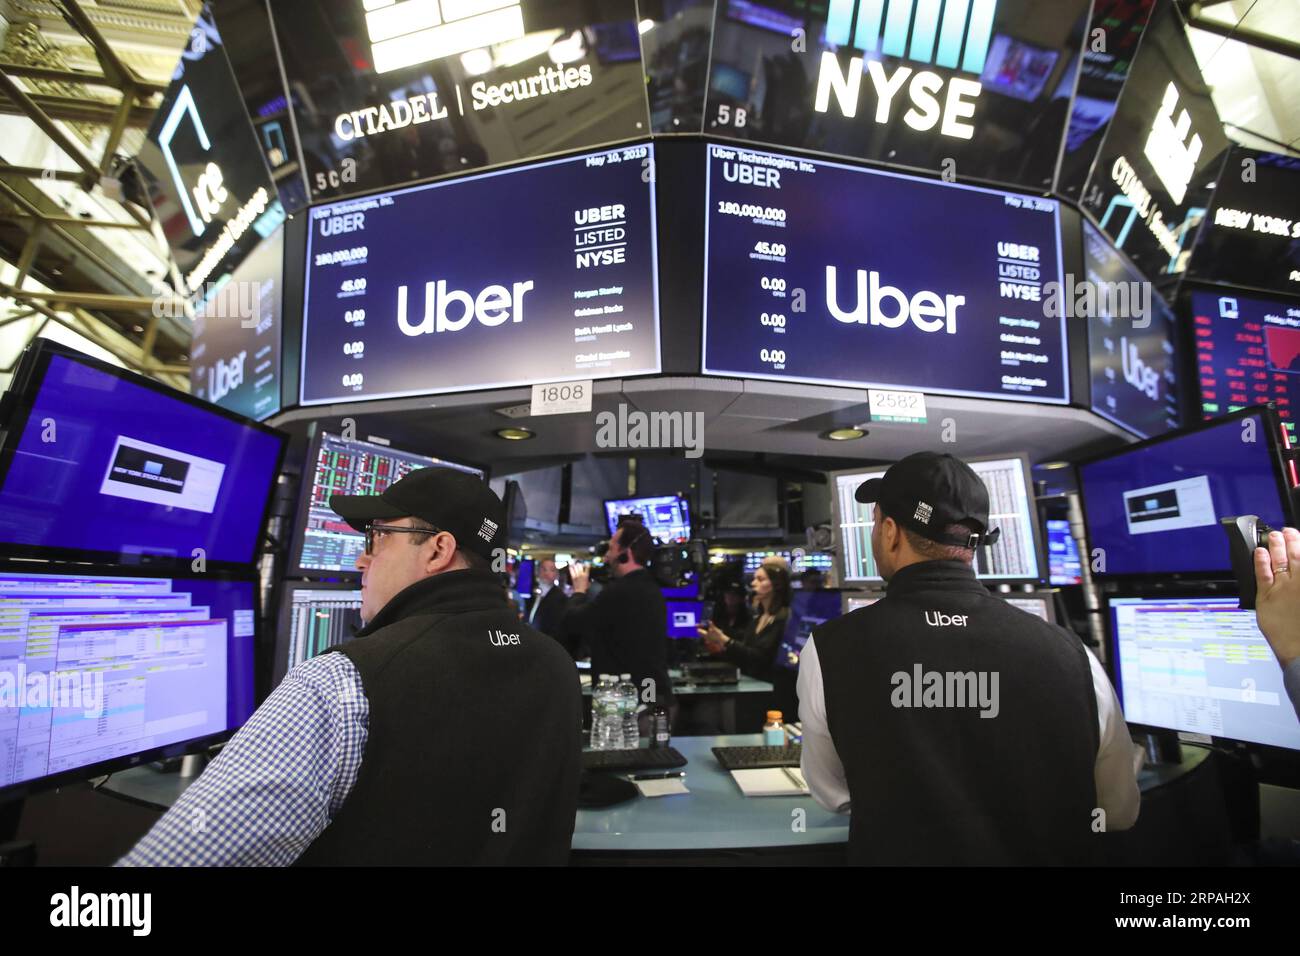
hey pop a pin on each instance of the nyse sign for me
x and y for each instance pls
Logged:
(935, 101)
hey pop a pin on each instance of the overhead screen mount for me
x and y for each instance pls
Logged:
(323, 543)
(86, 476)
(1013, 558)
(1153, 509)
(114, 668)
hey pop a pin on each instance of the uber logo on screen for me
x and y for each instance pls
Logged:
(962, 34)
(408, 32)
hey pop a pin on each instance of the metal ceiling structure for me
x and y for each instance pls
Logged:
(84, 79)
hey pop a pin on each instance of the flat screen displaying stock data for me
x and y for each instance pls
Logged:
(1200, 665)
(109, 465)
(1154, 508)
(1062, 554)
(1247, 353)
(313, 620)
(819, 272)
(347, 466)
(96, 668)
(540, 274)
(1013, 557)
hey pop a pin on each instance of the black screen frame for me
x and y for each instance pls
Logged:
(1286, 495)
(27, 382)
(168, 751)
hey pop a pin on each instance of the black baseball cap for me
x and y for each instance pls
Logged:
(926, 492)
(449, 499)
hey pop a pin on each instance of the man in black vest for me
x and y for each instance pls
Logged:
(956, 728)
(626, 624)
(446, 733)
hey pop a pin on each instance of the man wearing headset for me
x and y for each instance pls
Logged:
(626, 623)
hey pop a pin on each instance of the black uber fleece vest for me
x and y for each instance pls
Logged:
(943, 785)
(473, 750)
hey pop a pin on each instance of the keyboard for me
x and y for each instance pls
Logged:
(757, 758)
(654, 758)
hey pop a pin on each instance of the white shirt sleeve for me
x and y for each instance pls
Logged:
(820, 763)
(1115, 774)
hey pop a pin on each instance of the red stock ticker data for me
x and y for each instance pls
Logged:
(1247, 353)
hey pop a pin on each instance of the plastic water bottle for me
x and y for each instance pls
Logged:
(631, 732)
(601, 711)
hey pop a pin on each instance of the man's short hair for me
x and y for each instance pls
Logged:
(935, 551)
(474, 560)
(635, 531)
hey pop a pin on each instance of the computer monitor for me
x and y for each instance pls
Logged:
(808, 609)
(1199, 665)
(100, 464)
(313, 618)
(1063, 563)
(684, 617)
(524, 577)
(666, 517)
(1013, 557)
(324, 542)
(1153, 508)
(799, 563)
(100, 671)
(853, 602)
(1039, 605)
(686, 592)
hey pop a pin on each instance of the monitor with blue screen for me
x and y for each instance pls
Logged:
(133, 668)
(667, 517)
(1062, 554)
(1153, 508)
(1199, 665)
(98, 463)
(684, 617)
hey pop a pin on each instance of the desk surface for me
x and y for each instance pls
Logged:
(714, 815)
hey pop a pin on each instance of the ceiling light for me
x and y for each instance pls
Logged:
(645, 26)
(515, 434)
(843, 434)
(1054, 465)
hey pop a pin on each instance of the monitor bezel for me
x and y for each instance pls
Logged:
(298, 538)
(1112, 651)
(1031, 505)
(1272, 424)
(686, 506)
(28, 379)
(279, 663)
(168, 751)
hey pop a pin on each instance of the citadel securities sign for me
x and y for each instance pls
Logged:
(394, 92)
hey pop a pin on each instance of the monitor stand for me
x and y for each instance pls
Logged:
(1162, 747)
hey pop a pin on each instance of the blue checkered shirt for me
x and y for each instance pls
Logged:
(278, 783)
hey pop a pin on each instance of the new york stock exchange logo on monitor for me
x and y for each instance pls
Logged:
(953, 34)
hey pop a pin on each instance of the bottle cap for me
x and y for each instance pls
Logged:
(773, 715)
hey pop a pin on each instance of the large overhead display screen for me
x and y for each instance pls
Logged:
(818, 272)
(420, 291)
(387, 92)
(981, 87)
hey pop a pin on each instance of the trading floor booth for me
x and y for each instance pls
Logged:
(656, 260)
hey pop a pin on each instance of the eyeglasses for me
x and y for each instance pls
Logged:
(375, 530)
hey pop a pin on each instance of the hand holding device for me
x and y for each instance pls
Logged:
(1277, 598)
(580, 575)
(1245, 534)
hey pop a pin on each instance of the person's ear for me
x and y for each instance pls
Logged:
(441, 554)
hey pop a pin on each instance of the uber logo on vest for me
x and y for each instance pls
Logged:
(964, 689)
(939, 619)
(499, 638)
